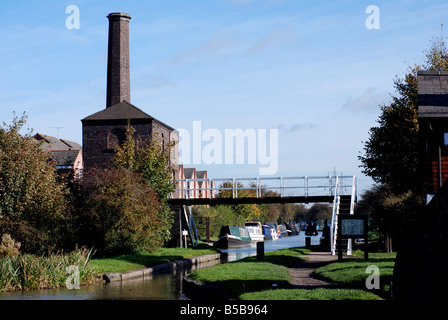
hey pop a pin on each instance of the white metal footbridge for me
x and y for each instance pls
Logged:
(341, 191)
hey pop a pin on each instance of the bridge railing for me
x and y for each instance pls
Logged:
(259, 187)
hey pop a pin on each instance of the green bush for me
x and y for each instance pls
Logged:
(124, 213)
(33, 206)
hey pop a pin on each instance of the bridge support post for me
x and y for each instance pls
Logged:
(308, 242)
(260, 250)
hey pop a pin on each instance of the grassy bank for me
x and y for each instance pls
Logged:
(129, 262)
(249, 275)
(248, 279)
(28, 272)
(352, 271)
(310, 294)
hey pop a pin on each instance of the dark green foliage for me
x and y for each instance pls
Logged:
(391, 154)
(33, 204)
(123, 213)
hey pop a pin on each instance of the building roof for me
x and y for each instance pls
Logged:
(65, 157)
(120, 111)
(63, 152)
(189, 173)
(53, 144)
(201, 174)
(123, 111)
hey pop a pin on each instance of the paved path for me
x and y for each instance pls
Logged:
(301, 274)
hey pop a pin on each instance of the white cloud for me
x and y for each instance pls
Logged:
(368, 101)
(277, 36)
(293, 127)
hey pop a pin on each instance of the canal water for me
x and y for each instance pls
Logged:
(166, 286)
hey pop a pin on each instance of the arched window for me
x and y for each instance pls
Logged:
(115, 138)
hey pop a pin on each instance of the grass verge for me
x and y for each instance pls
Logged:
(129, 262)
(310, 294)
(249, 275)
(248, 279)
(352, 271)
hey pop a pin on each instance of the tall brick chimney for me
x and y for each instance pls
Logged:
(118, 79)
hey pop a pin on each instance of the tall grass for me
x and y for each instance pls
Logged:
(28, 272)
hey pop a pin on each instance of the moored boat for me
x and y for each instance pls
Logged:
(255, 229)
(269, 232)
(232, 237)
(282, 231)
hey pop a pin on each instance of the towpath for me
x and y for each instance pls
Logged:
(301, 274)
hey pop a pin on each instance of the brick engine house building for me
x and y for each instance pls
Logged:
(105, 129)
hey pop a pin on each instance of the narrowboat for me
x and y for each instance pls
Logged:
(269, 233)
(255, 229)
(282, 231)
(293, 228)
(232, 237)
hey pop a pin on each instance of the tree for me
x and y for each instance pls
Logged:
(245, 212)
(219, 215)
(124, 212)
(126, 206)
(33, 204)
(301, 213)
(149, 158)
(319, 212)
(390, 155)
(389, 214)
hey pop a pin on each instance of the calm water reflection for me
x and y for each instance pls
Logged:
(158, 287)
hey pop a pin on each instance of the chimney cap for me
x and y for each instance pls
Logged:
(119, 15)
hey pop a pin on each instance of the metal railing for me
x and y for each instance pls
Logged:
(335, 214)
(259, 187)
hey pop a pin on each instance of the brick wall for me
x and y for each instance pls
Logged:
(95, 150)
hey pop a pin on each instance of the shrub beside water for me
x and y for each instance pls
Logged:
(9, 247)
(28, 272)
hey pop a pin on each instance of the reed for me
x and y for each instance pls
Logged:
(28, 272)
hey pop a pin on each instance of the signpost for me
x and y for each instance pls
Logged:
(352, 226)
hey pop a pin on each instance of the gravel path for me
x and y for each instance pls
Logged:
(302, 273)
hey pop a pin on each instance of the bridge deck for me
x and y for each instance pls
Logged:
(260, 190)
(248, 200)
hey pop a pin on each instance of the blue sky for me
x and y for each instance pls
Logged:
(310, 69)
